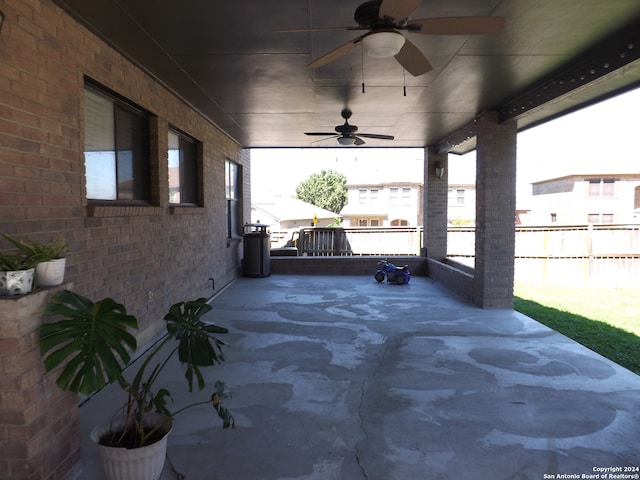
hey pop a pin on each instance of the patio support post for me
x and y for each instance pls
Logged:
(435, 205)
(495, 212)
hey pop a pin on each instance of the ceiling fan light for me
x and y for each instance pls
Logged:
(346, 140)
(383, 44)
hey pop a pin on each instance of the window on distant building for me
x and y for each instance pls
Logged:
(183, 169)
(406, 195)
(599, 187)
(554, 217)
(607, 187)
(393, 196)
(233, 191)
(373, 195)
(362, 196)
(116, 150)
(369, 222)
(399, 223)
(600, 218)
(456, 196)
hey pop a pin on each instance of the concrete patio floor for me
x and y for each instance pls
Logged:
(339, 377)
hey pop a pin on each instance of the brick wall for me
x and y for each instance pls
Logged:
(495, 212)
(129, 253)
(435, 205)
(38, 421)
(147, 257)
(349, 265)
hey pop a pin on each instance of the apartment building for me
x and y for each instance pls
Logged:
(582, 199)
(397, 204)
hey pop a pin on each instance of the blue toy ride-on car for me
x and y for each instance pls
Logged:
(393, 274)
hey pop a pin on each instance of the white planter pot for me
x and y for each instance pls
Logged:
(144, 463)
(16, 283)
(51, 273)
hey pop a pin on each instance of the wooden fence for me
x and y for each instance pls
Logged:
(582, 254)
(597, 255)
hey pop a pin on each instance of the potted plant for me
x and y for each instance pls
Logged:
(49, 258)
(16, 274)
(92, 344)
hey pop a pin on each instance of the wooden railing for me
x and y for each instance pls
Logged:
(329, 241)
(592, 254)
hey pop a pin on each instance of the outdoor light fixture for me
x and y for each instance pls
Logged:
(1, 19)
(346, 140)
(439, 169)
(383, 44)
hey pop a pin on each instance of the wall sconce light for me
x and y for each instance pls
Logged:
(439, 169)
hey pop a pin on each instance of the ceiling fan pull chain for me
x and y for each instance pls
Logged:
(404, 82)
(362, 64)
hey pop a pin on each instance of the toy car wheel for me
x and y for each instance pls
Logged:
(379, 277)
(400, 280)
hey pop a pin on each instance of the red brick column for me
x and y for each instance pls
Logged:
(39, 423)
(435, 205)
(495, 212)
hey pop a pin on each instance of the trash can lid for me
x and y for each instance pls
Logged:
(255, 227)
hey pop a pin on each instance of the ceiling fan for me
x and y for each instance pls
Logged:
(384, 18)
(347, 133)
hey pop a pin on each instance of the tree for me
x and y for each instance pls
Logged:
(327, 189)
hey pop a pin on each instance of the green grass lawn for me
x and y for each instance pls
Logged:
(606, 320)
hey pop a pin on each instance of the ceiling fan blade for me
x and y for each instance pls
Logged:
(398, 9)
(338, 52)
(323, 134)
(375, 135)
(358, 141)
(412, 60)
(326, 138)
(303, 30)
(457, 25)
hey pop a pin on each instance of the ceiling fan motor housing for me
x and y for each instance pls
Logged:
(367, 15)
(346, 129)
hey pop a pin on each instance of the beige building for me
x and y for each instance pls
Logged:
(461, 204)
(581, 199)
(282, 212)
(396, 204)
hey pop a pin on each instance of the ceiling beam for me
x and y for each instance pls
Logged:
(609, 55)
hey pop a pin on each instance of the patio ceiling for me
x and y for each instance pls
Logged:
(225, 59)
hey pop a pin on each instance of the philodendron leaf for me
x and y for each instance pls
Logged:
(197, 347)
(91, 340)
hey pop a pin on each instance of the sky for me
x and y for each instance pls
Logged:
(597, 139)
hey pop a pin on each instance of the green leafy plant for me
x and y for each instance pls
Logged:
(327, 189)
(12, 262)
(92, 345)
(38, 252)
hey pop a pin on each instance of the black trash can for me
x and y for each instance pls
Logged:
(256, 261)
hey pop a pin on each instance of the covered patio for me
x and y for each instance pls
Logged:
(339, 377)
(333, 377)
